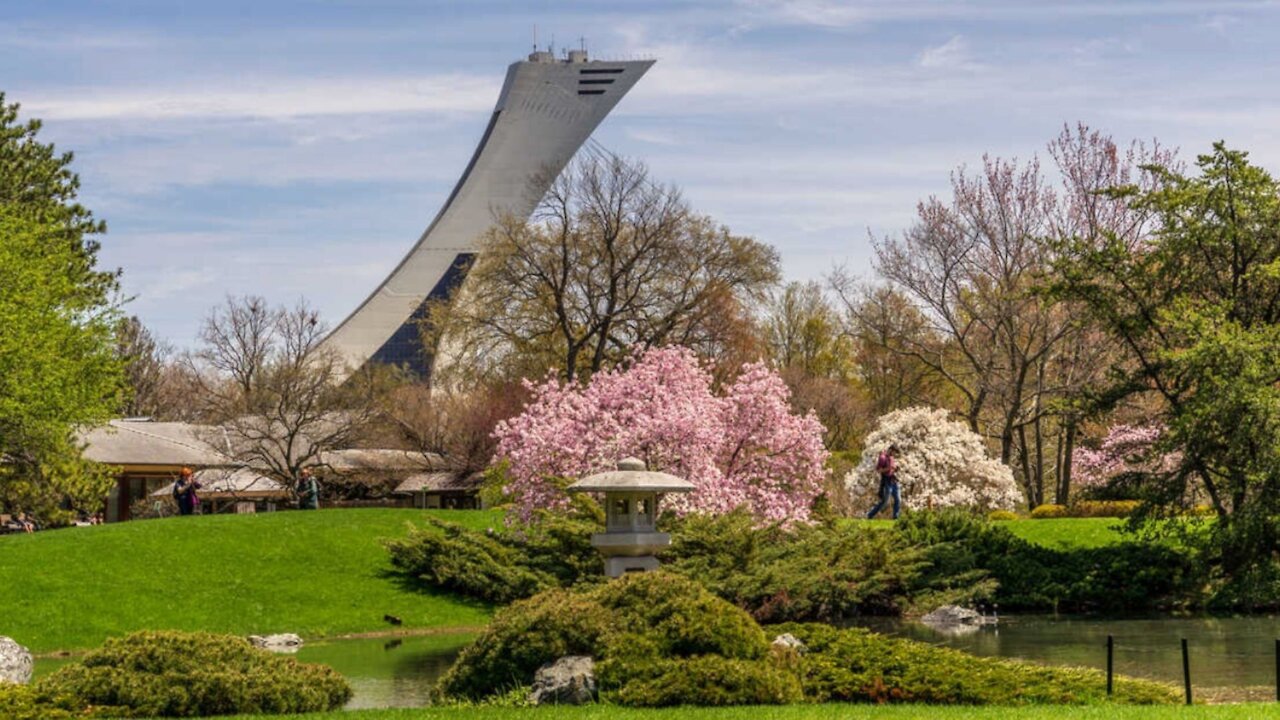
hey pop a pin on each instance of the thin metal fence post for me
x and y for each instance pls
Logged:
(1277, 669)
(1111, 644)
(1186, 670)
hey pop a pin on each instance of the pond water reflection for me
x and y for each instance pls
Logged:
(388, 672)
(1235, 652)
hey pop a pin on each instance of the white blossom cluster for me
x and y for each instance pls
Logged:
(941, 463)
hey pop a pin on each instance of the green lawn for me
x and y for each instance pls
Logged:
(824, 712)
(1063, 533)
(314, 573)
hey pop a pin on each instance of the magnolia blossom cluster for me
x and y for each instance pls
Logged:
(1125, 449)
(742, 448)
(941, 463)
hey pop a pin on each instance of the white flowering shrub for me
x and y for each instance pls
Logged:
(941, 463)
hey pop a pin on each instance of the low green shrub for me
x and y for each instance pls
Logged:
(524, 636)
(635, 627)
(177, 674)
(449, 556)
(824, 571)
(1049, 511)
(855, 665)
(660, 639)
(22, 702)
(709, 680)
(1123, 577)
(1002, 515)
(503, 564)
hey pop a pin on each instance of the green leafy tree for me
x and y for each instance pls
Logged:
(58, 365)
(1196, 305)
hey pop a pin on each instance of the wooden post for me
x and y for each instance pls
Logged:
(1186, 670)
(1111, 645)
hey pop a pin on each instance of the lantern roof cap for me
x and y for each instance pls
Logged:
(631, 476)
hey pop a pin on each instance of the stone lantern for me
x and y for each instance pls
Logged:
(631, 494)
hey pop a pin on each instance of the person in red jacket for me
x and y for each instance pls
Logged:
(887, 467)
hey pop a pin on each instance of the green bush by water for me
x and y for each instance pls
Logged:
(661, 639)
(174, 674)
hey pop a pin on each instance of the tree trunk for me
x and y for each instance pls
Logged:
(1064, 475)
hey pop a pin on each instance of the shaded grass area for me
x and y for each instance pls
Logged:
(317, 574)
(823, 712)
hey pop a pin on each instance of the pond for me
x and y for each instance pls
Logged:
(383, 672)
(1231, 658)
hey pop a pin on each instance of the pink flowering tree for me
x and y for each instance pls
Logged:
(743, 448)
(1125, 449)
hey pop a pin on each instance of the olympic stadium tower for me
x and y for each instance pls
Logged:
(547, 110)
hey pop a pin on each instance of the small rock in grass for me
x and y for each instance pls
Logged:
(15, 662)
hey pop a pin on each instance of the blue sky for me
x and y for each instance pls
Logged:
(298, 149)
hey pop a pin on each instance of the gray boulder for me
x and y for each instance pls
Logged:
(790, 642)
(954, 615)
(278, 643)
(15, 662)
(571, 680)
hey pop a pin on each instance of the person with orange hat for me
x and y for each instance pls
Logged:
(184, 492)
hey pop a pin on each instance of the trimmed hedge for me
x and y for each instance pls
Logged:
(1049, 511)
(177, 674)
(1086, 509)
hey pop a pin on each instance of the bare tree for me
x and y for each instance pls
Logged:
(279, 401)
(975, 268)
(453, 424)
(609, 262)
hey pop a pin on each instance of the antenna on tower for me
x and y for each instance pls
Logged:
(535, 37)
(582, 43)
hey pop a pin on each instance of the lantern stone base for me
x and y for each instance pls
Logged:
(621, 565)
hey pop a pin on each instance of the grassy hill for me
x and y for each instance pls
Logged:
(314, 573)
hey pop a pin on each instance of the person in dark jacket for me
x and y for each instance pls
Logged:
(308, 491)
(184, 492)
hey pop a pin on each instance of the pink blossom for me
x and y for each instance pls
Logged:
(1125, 449)
(744, 448)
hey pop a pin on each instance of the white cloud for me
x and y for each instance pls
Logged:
(277, 99)
(954, 53)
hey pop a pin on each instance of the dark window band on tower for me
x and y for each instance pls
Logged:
(590, 92)
(593, 81)
(601, 71)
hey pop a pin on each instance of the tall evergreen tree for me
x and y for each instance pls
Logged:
(58, 366)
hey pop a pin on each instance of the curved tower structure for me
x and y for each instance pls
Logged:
(546, 111)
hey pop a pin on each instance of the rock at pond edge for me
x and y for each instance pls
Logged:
(571, 680)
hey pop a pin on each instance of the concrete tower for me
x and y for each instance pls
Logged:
(547, 110)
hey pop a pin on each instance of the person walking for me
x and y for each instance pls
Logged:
(308, 491)
(887, 467)
(184, 492)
